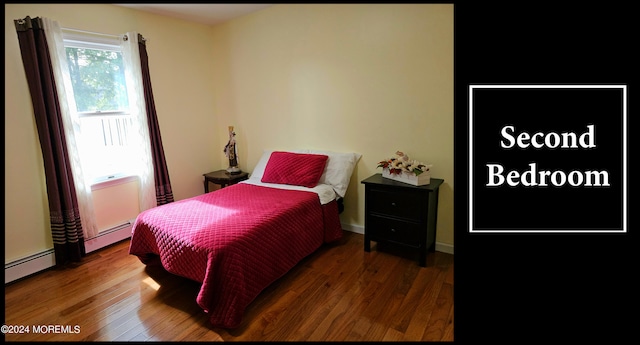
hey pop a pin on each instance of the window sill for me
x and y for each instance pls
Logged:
(113, 182)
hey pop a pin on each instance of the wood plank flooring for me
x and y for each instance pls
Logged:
(338, 293)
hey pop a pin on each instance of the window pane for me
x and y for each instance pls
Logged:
(105, 146)
(98, 80)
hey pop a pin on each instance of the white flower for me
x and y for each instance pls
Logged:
(402, 163)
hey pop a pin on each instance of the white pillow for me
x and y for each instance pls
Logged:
(339, 169)
(258, 170)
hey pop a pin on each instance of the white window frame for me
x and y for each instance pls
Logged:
(76, 39)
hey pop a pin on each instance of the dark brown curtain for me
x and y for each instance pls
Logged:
(164, 194)
(66, 227)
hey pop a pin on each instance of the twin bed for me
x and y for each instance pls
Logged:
(238, 240)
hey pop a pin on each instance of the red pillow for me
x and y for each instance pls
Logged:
(300, 169)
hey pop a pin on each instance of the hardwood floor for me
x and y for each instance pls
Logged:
(338, 293)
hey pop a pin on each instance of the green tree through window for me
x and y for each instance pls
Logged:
(98, 80)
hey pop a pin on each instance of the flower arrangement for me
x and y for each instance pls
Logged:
(401, 163)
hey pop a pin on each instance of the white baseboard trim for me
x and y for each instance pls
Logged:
(108, 237)
(444, 248)
(41, 261)
(440, 247)
(29, 265)
(353, 228)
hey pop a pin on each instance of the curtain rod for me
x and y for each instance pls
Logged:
(140, 37)
(90, 32)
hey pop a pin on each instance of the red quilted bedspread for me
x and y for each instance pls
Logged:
(236, 241)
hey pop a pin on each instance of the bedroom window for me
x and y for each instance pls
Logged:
(96, 70)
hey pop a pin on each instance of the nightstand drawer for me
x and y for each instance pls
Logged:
(394, 230)
(402, 204)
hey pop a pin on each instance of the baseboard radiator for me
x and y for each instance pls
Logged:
(46, 259)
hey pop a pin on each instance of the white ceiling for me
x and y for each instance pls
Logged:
(201, 13)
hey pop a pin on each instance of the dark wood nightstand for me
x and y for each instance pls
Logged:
(401, 213)
(223, 178)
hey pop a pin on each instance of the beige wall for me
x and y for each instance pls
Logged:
(370, 79)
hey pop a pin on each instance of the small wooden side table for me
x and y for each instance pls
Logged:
(401, 213)
(223, 178)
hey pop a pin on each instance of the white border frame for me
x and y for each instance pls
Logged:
(624, 155)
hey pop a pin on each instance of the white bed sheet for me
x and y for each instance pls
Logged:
(325, 192)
